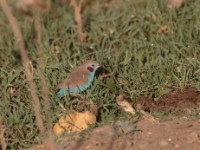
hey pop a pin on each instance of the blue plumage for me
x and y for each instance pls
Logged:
(78, 80)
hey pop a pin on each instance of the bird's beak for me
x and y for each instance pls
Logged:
(99, 66)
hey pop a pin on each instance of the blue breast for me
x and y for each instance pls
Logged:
(76, 89)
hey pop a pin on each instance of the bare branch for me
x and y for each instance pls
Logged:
(41, 63)
(2, 138)
(77, 10)
(25, 60)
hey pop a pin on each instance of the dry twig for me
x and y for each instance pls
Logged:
(2, 138)
(25, 60)
(77, 11)
(41, 63)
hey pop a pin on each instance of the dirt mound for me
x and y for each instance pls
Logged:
(176, 100)
(179, 134)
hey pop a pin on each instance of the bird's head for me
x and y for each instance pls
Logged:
(92, 66)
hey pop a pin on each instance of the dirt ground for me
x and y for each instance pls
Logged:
(174, 134)
(177, 132)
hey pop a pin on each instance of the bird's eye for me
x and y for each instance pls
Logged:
(93, 65)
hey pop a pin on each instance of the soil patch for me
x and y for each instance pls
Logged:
(180, 100)
(177, 133)
(173, 134)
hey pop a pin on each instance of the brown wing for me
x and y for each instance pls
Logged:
(76, 78)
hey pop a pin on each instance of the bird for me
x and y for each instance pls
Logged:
(78, 80)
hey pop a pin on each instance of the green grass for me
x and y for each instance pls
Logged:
(123, 36)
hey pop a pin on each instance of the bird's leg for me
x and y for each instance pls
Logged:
(68, 90)
(79, 90)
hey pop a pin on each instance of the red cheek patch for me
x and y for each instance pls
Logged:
(90, 69)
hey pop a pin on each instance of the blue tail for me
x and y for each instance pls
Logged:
(62, 92)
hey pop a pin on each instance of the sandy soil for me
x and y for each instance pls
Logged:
(173, 134)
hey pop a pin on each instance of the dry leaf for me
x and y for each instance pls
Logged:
(174, 3)
(74, 122)
(124, 104)
(148, 117)
(153, 17)
(163, 29)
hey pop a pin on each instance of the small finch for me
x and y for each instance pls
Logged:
(79, 79)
